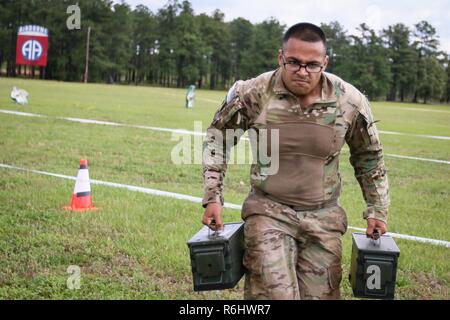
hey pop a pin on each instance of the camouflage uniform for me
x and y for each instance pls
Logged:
(293, 219)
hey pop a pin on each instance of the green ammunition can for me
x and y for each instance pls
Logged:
(373, 269)
(216, 257)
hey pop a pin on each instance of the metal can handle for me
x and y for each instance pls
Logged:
(376, 238)
(215, 233)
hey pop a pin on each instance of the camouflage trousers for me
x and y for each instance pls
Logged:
(294, 255)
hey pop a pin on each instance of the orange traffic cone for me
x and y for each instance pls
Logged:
(82, 197)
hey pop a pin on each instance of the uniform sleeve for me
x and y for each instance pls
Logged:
(225, 131)
(366, 157)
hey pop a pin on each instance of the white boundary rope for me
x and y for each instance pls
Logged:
(182, 131)
(178, 196)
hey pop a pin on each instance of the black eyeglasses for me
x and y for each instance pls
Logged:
(295, 66)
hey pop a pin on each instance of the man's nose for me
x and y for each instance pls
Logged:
(302, 71)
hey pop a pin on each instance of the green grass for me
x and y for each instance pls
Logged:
(135, 246)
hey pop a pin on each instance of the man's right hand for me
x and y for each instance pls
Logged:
(212, 213)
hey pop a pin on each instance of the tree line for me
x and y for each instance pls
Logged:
(174, 47)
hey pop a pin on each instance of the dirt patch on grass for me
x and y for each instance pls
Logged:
(139, 277)
(424, 286)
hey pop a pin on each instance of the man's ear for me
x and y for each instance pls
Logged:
(280, 58)
(325, 63)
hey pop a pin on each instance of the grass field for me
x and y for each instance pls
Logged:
(135, 246)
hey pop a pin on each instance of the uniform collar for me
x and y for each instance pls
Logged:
(328, 89)
(279, 87)
(328, 93)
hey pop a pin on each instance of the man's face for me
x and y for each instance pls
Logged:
(302, 82)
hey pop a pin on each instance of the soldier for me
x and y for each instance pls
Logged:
(293, 220)
(190, 97)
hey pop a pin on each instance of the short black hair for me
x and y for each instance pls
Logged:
(306, 32)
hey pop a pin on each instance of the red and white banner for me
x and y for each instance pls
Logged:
(32, 46)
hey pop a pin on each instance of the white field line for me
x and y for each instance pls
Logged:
(417, 158)
(415, 109)
(414, 135)
(25, 114)
(89, 121)
(183, 131)
(409, 158)
(179, 196)
(106, 123)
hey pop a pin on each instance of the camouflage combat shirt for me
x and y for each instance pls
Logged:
(310, 142)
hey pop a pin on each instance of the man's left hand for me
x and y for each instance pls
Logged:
(373, 224)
